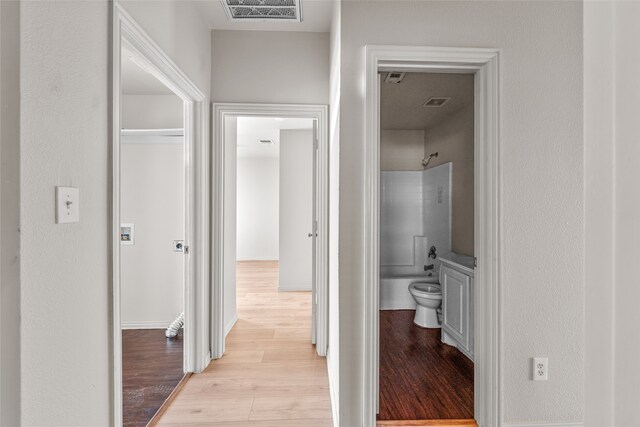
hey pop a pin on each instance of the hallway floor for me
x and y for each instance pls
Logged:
(270, 375)
(421, 378)
(151, 369)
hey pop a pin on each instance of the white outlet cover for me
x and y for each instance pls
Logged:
(540, 369)
(67, 205)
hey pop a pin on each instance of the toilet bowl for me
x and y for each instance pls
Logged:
(428, 298)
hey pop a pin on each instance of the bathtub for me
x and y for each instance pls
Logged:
(394, 291)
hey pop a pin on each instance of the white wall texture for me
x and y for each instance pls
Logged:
(270, 67)
(401, 216)
(612, 94)
(258, 208)
(9, 214)
(296, 209)
(542, 170)
(64, 120)
(152, 198)
(152, 111)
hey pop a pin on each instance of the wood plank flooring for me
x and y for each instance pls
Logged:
(270, 375)
(151, 369)
(420, 377)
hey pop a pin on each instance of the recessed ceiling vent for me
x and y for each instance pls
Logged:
(266, 141)
(394, 77)
(436, 101)
(263, 10)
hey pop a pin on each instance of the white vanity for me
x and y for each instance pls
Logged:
(456, 280)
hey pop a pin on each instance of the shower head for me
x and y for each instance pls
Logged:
(426, 160)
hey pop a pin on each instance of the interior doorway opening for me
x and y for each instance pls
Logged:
(426, 246)
(270, 204)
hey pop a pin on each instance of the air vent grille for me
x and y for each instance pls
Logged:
(436, 101)
(394, 77)
(263, 10)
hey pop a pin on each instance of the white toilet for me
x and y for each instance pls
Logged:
(428, 296)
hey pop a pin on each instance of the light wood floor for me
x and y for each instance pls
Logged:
(270, 375)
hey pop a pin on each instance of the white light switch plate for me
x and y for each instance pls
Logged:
(67, 205)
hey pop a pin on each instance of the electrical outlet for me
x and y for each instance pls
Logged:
(540, 368)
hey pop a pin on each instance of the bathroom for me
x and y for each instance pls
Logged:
(426, 246)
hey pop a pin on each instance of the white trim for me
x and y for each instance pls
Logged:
(571, 424)
(147, 324)
(484, 63)
(333, 391)
(128, 35)
(219, 112)
(152, 132)
(230, 325)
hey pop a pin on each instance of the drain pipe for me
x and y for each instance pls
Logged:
(175, 326)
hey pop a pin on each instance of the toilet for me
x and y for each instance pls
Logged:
(428, 296)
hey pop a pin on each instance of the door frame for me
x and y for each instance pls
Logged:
(220, 111)
(485, 65)
(128, 34)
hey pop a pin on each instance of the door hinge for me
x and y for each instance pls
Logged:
(475, 262)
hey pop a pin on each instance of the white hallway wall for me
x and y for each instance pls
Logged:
(9, 214)
(152, 274)
(296, 209)
(152, 111)
(542, 224)
(65, 268)
(258, 207)
(612, 99)
(152, 192)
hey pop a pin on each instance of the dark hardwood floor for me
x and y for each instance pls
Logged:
(420, 377)
(151, 369)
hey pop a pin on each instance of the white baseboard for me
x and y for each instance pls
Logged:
(333, 390)
(293, 288)
(146, 324)
(570, 424)
(230, 325)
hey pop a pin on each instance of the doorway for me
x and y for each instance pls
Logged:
(426, 246)
(315, 236)
(159, 225)
(482, 64)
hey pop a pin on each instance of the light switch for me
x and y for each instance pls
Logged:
(67, 205)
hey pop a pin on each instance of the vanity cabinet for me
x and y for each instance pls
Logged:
(457, 308)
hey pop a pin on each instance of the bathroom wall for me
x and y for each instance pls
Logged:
(401, 150)
(452, 139)
(401, 218)
(415, 212)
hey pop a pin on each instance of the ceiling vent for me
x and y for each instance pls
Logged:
(263, 10)
(436, 101)
(394, 77)
(266, 141)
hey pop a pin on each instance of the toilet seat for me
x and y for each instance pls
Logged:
(426, 290)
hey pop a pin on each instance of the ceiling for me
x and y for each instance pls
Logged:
(316, 17)
(136, 81)
(252, 129)
(401, 104)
